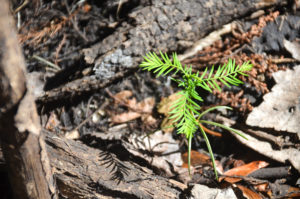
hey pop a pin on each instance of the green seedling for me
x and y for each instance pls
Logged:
(186, 111)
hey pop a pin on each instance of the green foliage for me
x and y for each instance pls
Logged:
(185, 110)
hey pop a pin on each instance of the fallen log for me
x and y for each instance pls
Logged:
(169, 26)
(85, 172)
(81, 171)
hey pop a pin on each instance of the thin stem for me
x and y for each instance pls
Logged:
(224, 127)
(210, 151)
(189, 154)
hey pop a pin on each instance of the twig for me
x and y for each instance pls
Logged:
(283, 60)
(18, 9)
(54, 66)
(58, 49)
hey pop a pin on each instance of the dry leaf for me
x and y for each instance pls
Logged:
(293, 47)
(132, 103)
(264, 187)
(167, 125)
(281, 107)
(281, 111)
(293, 192)
(164, 108)
(123, 95)
(249, 194)
(265, 148)
(166, 150)
(125, 117)
(196, 159)
(202, 191)
(146, 105)
(143, 108)
(149, 120)
(243, 171)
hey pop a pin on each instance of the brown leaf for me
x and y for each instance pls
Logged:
(123, 95)
(146, 105)
(249, 194)
(264, 187)
(149, 120)
(164, 108)
(243, 170)
(125, 117)
(132, 103)
(293, 192)
(167, 125)
(137, 110)
(196, 159)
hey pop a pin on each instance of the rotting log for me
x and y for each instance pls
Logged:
(169, 26)
(85, 172)
(20, 131)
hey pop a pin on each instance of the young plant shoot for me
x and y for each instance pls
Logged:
(186, 110)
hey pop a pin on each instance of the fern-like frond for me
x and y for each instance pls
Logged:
(163, 65)
(226, 74)
(183, 112)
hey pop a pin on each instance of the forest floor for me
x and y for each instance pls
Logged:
(131, 106)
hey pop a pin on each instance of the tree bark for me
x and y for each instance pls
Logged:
(168, 26)
(21, 141)
(85, 172)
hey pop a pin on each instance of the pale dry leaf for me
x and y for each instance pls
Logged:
(293, 47)
(202, 191)
(265, 148)
(281, 107)
(166, 150)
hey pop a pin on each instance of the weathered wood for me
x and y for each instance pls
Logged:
(169, 26)
(21, 141)
(85, 172)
